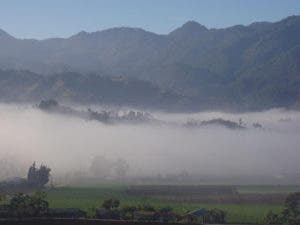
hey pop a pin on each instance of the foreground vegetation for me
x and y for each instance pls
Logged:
(89, 198)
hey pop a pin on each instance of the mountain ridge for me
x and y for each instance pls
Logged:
(210, 65)
(187, 23)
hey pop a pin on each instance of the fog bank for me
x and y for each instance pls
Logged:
(68, 144)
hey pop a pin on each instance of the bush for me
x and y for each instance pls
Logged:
(22, 205)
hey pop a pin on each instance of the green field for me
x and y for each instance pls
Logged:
(89, 198)
(268, 189)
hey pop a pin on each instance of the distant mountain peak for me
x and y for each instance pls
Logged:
(111, 31)
(4, 34)
(190, 27)
(290, 20)
(81, 34)
(193, 25)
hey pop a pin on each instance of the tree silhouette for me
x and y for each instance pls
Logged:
(121, 168)
(111, 204)
(38, 177)
(292, 201)
(290, 215)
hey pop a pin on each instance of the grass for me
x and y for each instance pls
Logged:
(89, 198)
(268, 189)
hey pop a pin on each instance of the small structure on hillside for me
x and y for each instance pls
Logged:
(200, 216)
(204, 216)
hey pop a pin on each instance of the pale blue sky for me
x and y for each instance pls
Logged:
(62, 18)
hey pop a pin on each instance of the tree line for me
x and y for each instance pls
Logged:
(290, 215)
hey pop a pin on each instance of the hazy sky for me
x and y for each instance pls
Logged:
(52, 18)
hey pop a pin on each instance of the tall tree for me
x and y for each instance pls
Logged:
(38, 177)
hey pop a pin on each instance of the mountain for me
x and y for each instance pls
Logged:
(248, 67)
(25, 86)
(4, 35)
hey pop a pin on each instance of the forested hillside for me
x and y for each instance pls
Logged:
(240, 67)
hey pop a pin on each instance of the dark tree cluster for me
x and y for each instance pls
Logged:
(38, 177)
(216, 216)
(216, 122)
(48, 104)
(22, 205)
(104, 116)
(290, 215)
(148, 213)
(111, 204)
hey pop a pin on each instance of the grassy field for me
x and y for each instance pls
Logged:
(268, 189)
(89, 198)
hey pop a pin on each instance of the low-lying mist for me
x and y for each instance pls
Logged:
(68, 144)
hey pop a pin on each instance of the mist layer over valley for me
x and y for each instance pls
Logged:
(70, 145)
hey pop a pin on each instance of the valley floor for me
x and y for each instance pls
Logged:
(90, 198)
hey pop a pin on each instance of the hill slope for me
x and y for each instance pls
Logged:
(24, 86)
(251, 67)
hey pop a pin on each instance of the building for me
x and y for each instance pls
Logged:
(200, 216)
(203, 216)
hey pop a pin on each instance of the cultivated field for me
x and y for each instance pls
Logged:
(89, 198)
